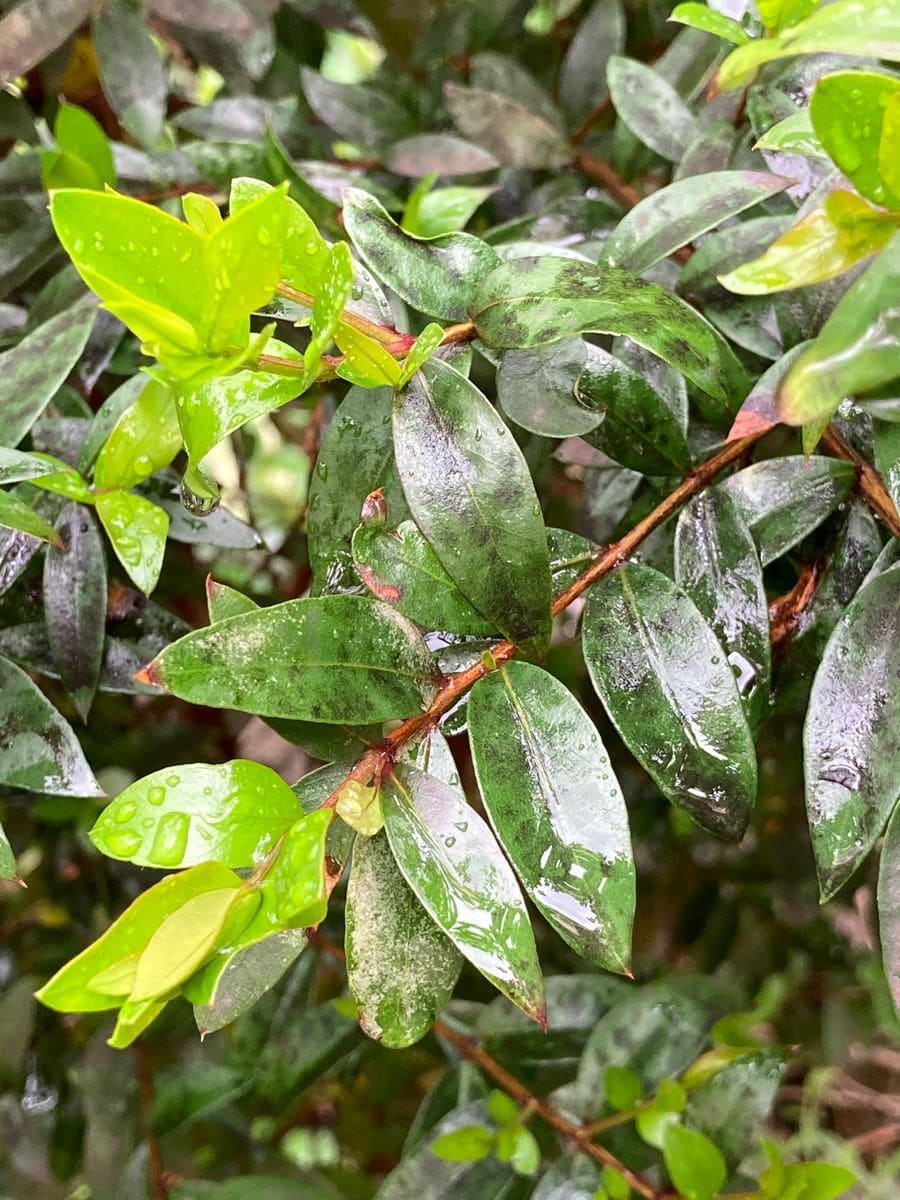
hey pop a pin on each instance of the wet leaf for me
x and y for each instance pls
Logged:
(471, 494)
(556, 807)
(400, 967)
(367, 362)
(303, 250)
(438, 276)
(717, 565)
(295, 890)
(851, 737)
(650, 107)
(16, 465)
(669, 690)
(737, 1099)
(537, 389)
(131, 71)
(699, 16)
(143, 440)
(431, 212)
(793, 135)
(889, 905)
(337, 659)
(781, 500)
(451, 861)
(137, 529)
(16, 514)
(513, 133)
(886, 440)
(180, 816)
(235, 984)
(848, 110)
(74, 594)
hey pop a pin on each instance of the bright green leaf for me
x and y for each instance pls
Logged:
(848, 110)
(695, 1165)
(137, 529)
(144, 440)
(699, 16)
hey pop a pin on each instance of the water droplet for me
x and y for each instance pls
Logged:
(125, 812)
(449, 842)
(123, 842)
(173, 781)
(197, 505)
(156, 795)
(171, 839)
(322, 470)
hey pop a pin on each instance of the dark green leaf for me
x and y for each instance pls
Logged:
(537, 389)
(337, 659)
(363, 115)
(735, 1102)
(131, 70)
(245, 976)
(513, 133)
(451, 861)
(582, 79)
(75, 603)
(471, 494)
(889, 905)
(695, 1165)
(556, 806)
(650, 107)
(716, 563)
(851, 737)
(669, 690)
(34, 29)
(886, 439)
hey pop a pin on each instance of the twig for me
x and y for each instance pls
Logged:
(158, 1188)
(785, 612)
(869, 483)
(604, 174)
(591, 120)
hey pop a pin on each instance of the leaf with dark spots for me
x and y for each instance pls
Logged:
(470, 492)
(851, 738)
(537, 389)
(670, 691)
(889, 905)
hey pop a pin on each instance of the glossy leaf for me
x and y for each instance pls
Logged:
(675, 215)
(137, 529)
(7, 858)
(889, 905)
(512, 132)
(368, 363)
(400, 967)
(556, 807)
(39, 752)
(71, 990)
(582, 78)
(848, 110)
(244, 977)
(669, 690)
(781, 500)
(537, 389)
(16, 465)
(471, 494)
(717, 565)
(335, 659)
(16, 514)
(431, 212)
(650, 107)
(439, 276)
(699, 16)
(533, 301)
(145, 439)
(303, 250)
(32, 371)
(295, 889)
(851, 738)
(400, 567)
(421, 350)
(75, 604)
(178, 817)
(793, 135)
(83, 156)
(695, 1165)
(223, 601)
(450, 860)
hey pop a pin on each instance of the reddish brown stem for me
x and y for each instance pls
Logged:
(786, 611)
(869, 483)
(157, 1175)
(604, 174)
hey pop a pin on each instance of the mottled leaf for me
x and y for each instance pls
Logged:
(245, 976)
(537, 389)
(511, 132)
(889, 905)
(582, 78)
(364, 115)
(16, 514)
(650, 107)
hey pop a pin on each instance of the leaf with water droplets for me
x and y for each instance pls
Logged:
(848, 110)
(471, 494)
(233, 984)
(851, 738)
(295, 890)
(337, 659)
(303, 250)
(556, 807)
(537, 389)
(451, 861)
(400, 967)
(669, 690)
(16, 514)
(368, 363)
(137, 529)
(331, 299)
(233, 813)
(716, 563)
(699, 16)
(889, 905)
(145, 439)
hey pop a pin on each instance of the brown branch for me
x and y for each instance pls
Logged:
(591, 120)
(869, 483)
(604, 174)
(785, 612)
(157, 1175)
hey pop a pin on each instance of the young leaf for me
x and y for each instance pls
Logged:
(650, 107)
(137, 529)
(368, 363)
(451, 861)
(134, 1017)
(39, 751)
(330, 302)
(32, 371)
(178, 817)
(334, 659)
(400, 967)
(433, 212)
(145, 439)
(622, 1088)
(699, 16)
(469, 1144)
(889, 905)
(439, 277)
(75, 604)
(851, 738)
(717, 564)
(696, 1166)
(471, 494)
(296, 889)
(223, 601)
(669, 690)
(556, 807)
(848, 111)
(420, 352)
(15, 514)
(781, 500)
(303, 250)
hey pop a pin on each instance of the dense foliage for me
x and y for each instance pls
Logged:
(450, 469)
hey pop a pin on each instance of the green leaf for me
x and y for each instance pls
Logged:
(717, 565)
(823, 244)
(698, 16)
(65, 481)
(556, 807)
(814, 1181)
(518, 1146)
(616, 1184)
(145, 439)
(330, 302)
(886, 442)
(736, 1101)
(16, 465)
(75, 604)
(83, 157)
(839, 28)
(513, 133)
(334, 659)
(676, 215)
(303, 250)
(70, 989)
(134, 1017)
(131, 70)
(695, 1165)
(503, 1109)
(32, 371)
(368, 363)
(450, 860)
(678, 710)
(432, 212)
(400, 967)
(439, 277)
(16, 514)
(233, 984)
(471, 494)
(137, 529)
(469, 1144)
(778, 14)
(39, 752)
(848, 110)
(295, 889)
(537, 389)
(887, 149)
(582, 79)
(851, 738)
(793, 135)
(857, 349)
(622, 1087)
(422, 349)
(781, 500)
(223, 601)
(7, 858)
(653, 1125)
(650, 107)
(201, 213)
(400, 568)
(533, 301)
(177, 817)
(363, 115)
(888, 905)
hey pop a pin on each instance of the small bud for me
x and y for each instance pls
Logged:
(374, 509)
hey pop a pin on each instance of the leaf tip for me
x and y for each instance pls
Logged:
(149, 675)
